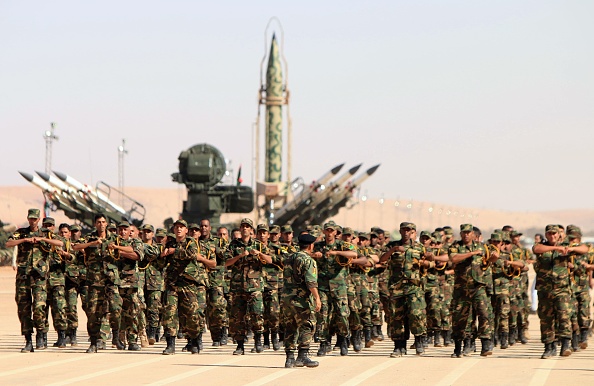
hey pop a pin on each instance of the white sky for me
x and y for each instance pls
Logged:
(470, 103)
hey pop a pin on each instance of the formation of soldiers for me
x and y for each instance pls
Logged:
(326, 283)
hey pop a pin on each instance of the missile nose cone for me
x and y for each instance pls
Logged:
(372, 170)
(354, 169)
(337, 168)
(43, 175)
(61, 176)
(26, 176)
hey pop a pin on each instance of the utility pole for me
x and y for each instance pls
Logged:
(49, 137)
(122, 151)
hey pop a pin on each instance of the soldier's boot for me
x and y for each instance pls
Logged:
(357, 341)
(316, 336)
(584, 338)
(575, 342)
(45, 340)
(158, 337)
(151, 336)
(554, 346)
(449, 337)
(473, 345)
(224, 336)
(374, 334)
(180, 335)
(512, 335)
(565, 347)
(523, 337)
(504, 340)
(200, 343)
(275, 342)
(170, 349)
(249, 335)
(67, 340)
(486, 347)
(266, 341)
(337, 344)
(328, 347)
(419, 346)
(344, 346)
(397, 352)
(240, 350)
(467, 347)
(61, 342)
(437, 339)
(39, 344)
(93, 347)
(195, 345)
(368, 338)
(188, 345)
(101, 344)
(457, 349)
(496, 338)
(73, 341)
(380, 335)
(133, 346)
(427, 339)
(144, 343)
(322, 349)
(290, 361)
(548, 352)
(258, 348)
(28, 343)
(304, 360)
(116, 341)
(446, 338)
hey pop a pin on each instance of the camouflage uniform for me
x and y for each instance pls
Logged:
(273, 275)
(580, 317)
(56, 294)
(151, 268)
(75, 284)
(501, 301)
(217, 316)
(129, 278)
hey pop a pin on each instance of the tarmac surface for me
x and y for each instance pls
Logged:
(518, 365)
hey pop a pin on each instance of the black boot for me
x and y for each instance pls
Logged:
(115, 340)
(322, 349)
(304, 360)
(575, 342)
(266, 345)
(45, 340)
(356, 339)
(73, 341)
(380, 335)
(170, 349)
(328, 347)
(151, 335)
(316, 336)
(397, 349)
(565, 347)
(133, 346)
(195, 349)
(28, 343)
(290, 361)
(339, 339)
(486, 348)
(504, 340)
(93, 347)
(224, 336)
(180, 335)
(188, 346)
(427, 339)
(457, 349)
(446, 338)
(275, 342)
(258, 348)
(61, 342)
(344, 346)
(467, 347)
(523, 338)
(437, 339)
(512, 335)
(39, 344)
(157, 334)
(239, 350)
(368, 339)
(496, 338)
(548, 352)
(419, 346)
(374, 334)
(584, 338)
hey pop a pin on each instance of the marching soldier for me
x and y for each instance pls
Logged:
(151, 267)
(75, 278)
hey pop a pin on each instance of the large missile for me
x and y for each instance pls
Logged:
(306, 193)
(341, 198)
(51, 193)
(35, 180)
(72, 194)
(274, 116)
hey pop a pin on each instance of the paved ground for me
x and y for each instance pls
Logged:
(519, 365)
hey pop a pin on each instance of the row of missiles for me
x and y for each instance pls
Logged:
(81, 202)
(323, 198)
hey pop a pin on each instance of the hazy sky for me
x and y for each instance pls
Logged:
(469, 103)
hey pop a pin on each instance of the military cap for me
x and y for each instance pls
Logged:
(171, 235)
(372, 234)
(247, 221)
(408, 225)
(496, 237)
(448, 230)
(275, 229)
(193, 225)
(574, 233)
(49, 220)
(466, 228)
(74, 228)
(181, 222)
(571, 228)
(348, 231)
(112, 225)
(306, 239)
(363, 235)
(124, 224)
(148, 227)
(330, 225)
(286, 229)
(515, 233)
(437, 235)
(33, 213)
(425, 233)
(506, 238)
(160, 232)
(377, 230)
(315, 232)
(553, 228)
(263, 227)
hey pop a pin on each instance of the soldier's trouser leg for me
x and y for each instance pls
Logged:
(130, 313)
(24, 302)
(153, 307)
(364, 295)
(583, 314)
(39, 292)
(432, 298)
(502, 313)
(398, 321)
(448, 292)
(416, 314)
(58, 306)
(554, 314)
(340, 309)
(96, 309)
(461, 311)
(83, 290)
(513, 310)
(384, 294)
(484, 313)
(271, 310)
(114, 305)
(323, 317)
(71, 304)
(255, 311)
(237, 315)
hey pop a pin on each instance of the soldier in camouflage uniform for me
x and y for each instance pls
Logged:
(526, 256)
(580, 290)
(75, 280)
(300, 300)
(501, 283)
(103, 278)
(364, 285)
(216, 305)
(470, 291)
(405, 258)
(333, 257)
(377, 236)
(186, 281)
(246, 257)
(273, 276)
(31, 276)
